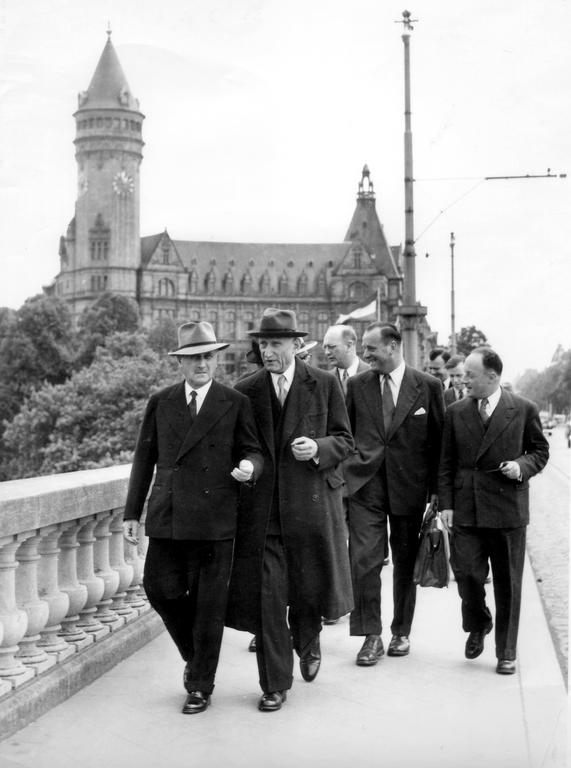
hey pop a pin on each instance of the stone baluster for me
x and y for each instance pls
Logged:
(5, 687)
(70, 584)
(13, 619)
(124, 569)
(50, 592)
(135, 594)
(103, 569)
(27, 597)
(95, 584)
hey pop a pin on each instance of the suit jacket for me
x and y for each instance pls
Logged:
(469, 482)
(411, 449)
(361, 368)
(308, 495)
(450, 396)
(194, 495)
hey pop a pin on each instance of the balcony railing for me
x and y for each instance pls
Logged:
(68, 578)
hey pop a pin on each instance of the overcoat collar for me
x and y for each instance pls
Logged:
(297, 403)
(215, 405)
(409, 392)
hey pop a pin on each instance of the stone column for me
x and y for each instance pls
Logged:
(95, 584)
(13, 619)
(57, 601)
(70, 584)
(27, 598)
(103, 569)
(125, 570)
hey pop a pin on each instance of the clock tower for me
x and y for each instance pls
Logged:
(102, 249)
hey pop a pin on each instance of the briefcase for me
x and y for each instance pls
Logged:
(431, 568)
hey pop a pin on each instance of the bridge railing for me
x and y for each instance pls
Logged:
(68, 578)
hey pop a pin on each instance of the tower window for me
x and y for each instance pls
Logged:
(166, 287)
(99, 239)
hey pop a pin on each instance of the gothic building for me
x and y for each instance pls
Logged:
(228, 284)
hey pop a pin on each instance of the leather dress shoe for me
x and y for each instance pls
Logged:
(310, 660)
(399, 646)
(196, 701)
(506, 667)
(371, 651)
(271, 702)
(252, 646)
(475, 643)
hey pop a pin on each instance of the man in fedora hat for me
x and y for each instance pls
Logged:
(290, 548)
(201, 438)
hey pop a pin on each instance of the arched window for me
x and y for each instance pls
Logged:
(283, 284)
(228, 283)
(358, 291)
(193, 282)
(302, 284)
(265, 283)
(247, 283)
(210, 282)
(321, 285)
(166, 287)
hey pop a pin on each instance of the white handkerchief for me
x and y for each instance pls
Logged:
(420, 412)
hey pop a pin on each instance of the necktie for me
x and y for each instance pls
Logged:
(281, 389)
(388, 402)
(459, 394)
(344, 377)
(192, 405)
(483, 413)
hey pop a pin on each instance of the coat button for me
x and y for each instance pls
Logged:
(206, 492)
(315, 497)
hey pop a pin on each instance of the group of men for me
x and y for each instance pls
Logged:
(258, 486)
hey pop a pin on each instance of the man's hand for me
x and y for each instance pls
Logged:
(131, 531)
(447, 517)
(243, 472)
(304, 448)
(511, 469)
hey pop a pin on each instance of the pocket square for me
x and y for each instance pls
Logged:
(420, 412)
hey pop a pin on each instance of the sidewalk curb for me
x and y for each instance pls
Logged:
(33, 699)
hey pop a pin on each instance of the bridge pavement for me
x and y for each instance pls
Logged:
(432, 708)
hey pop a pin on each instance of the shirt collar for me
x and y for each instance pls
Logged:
(351, 369)
(397, 374)
(493, 399)
(201, 392)
(288, 373)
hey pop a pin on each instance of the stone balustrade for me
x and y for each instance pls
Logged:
(68, 579)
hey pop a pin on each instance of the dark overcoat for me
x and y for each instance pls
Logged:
(309, 497)
(194, 495)
(469, 480)
(410, 449)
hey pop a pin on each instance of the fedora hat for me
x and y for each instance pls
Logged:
(278, 323)
(197, 339)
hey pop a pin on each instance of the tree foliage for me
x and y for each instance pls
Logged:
(550, 388)
(468, 338)
(110, 313)
(92, 419)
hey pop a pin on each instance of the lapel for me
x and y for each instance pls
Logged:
(501, 417)
(215, 405)
(471, 418)
(260, 397)
(298, 400)
(175, 410)
(372, 396)
(409, 392)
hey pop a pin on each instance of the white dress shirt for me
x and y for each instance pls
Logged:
(395, 381)
(288, 373)
(493, 400)
(201, 393)
(351, 370)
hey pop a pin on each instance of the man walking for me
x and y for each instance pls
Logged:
(201, 438)
(454, 367)
(396, 415)
(340, 347)
(290, 548)
(492, 444)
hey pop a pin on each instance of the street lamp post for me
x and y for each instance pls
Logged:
(410, 311)
(453, 348)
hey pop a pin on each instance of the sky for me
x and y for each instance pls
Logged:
(260, 115)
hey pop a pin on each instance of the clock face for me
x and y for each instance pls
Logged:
(123, 184)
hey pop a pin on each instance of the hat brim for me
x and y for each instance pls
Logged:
(308, 347)
(277, 334)
(198, 349)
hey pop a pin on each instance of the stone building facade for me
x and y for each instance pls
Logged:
(228, 284)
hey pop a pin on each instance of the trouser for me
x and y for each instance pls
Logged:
(369, 510)
(280, 631)
(187, 584)
(470, 548)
